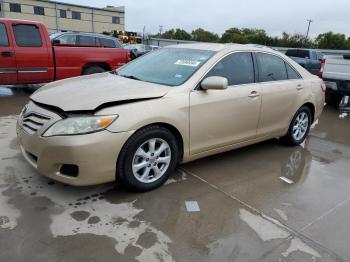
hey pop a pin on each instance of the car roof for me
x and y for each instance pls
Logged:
(216, 47)
(81, 33)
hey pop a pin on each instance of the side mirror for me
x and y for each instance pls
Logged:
(56, 42)
(214, 82)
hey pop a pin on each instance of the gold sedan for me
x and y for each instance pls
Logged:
(171, 106)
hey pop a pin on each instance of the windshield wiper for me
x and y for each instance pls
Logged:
(129, 76)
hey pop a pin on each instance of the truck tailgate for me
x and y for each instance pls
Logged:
(336, 67)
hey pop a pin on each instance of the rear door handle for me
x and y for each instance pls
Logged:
(254, 94)
(300, 87)
(7, 54)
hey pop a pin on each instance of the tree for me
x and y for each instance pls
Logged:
(202, 35)
(331, 40)
(257, 36)
(178, 34)
(294, 41)
(168, 34)
(181, 34)
(234, 35)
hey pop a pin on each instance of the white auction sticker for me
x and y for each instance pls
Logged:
(192, 63)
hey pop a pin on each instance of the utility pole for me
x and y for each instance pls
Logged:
(160, 30)
(308, 28)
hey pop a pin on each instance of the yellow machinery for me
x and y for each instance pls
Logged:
(128, 37)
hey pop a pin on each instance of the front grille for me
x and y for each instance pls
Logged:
(32, 122)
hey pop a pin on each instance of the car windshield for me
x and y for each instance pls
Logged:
(169, 66)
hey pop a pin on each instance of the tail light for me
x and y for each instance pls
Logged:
(323, 87)
(322, 61)
(128, 58)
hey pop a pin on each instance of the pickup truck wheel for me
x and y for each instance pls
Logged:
(330, 98)
(93, 70)
(147, 159)
(299, 127)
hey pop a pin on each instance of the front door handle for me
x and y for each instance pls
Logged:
(7, 54)
(254, 94)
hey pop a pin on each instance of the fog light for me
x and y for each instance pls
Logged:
(69, 170)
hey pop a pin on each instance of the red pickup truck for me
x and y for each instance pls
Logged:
(27, 55)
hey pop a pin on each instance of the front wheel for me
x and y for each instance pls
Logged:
(147, 159)
(299, 127)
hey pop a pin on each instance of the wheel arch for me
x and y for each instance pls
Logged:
(312, 108)
(175, 132)
(103, 65)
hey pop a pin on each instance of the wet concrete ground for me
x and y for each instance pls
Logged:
(265, 202)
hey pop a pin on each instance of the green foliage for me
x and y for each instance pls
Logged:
(295, 41)
(327, 40)
(234, 35)
(178, 34)
(202, 35)
(331, 40)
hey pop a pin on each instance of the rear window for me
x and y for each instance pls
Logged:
(271, 68)
(292, 74)
(27, 35)
(298, 53)
(3, 36)
(105, 42)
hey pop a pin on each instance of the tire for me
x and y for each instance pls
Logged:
(130, 159)
(330, 98)
(295, 138)
(93, 70)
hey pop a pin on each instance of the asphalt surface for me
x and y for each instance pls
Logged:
(266, 202)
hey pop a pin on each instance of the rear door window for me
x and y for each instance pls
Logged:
(27, 35)
(238, 68)
(105, 42)
(292, 74)
(87, 40)
(3, 36)
(271, 68)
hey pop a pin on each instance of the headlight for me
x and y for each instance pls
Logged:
(80, 125)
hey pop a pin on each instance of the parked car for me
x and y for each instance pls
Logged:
(336, 74)
(85, 39)
(27, 55)
(140, 49)
(310, 59)
(172, 106)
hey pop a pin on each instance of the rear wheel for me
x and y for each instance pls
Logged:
(93, 70)
(147, 159)
(299, 127)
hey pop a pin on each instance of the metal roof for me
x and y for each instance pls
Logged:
(118, 9)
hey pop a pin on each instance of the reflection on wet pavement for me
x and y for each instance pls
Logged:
(12, 99)
(266, 202)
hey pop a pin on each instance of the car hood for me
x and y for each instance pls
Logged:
(87, 93)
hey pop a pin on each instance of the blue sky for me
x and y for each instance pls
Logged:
(275, 16)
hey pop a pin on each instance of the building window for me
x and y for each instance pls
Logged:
(116, 20)
(76, 15)
(63, 13)
(15, 8)
(39, 10)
